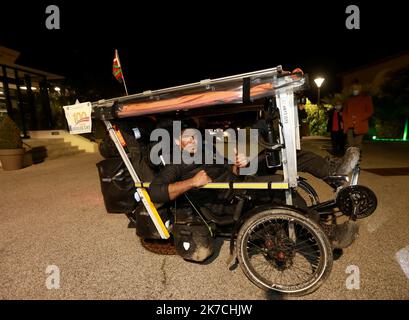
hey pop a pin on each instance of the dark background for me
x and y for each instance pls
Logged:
(174, 42)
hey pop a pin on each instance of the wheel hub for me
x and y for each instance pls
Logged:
(280, 252)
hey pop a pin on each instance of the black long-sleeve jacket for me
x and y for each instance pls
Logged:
(172, 173)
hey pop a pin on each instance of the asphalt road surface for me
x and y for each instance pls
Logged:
(52, 216)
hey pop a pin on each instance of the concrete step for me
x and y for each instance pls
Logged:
(59, 146)
(43, 142)
(58, 152)
(56, 147)
(65, 154)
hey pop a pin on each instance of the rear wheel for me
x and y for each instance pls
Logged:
(280, 249)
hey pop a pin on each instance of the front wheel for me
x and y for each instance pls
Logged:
(280, 249)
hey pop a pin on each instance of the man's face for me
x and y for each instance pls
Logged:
(188, 141)
(356, 89)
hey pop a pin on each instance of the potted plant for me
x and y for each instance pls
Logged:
(11, 150)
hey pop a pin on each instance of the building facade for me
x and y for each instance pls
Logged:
(24, 92)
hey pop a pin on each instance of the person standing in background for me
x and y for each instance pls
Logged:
(335, 126)
(356, 113)
(302, 118)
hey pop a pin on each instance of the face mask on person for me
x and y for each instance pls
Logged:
(355, 92)
(338, 107)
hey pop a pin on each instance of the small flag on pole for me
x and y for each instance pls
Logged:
(117, 71)
(116, 68)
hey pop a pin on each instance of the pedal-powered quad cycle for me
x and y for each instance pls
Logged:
(279, 246)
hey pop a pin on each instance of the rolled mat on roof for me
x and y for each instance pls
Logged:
(192, 101)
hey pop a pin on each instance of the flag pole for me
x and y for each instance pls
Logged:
(122, 72)
(126, 90)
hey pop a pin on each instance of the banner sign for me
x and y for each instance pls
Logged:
(79, 117)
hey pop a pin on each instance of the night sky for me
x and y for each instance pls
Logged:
(173, 43)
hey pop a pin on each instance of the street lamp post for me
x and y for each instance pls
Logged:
(318, 82)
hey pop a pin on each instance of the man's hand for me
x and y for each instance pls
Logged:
(241, 159)
(178, 188)
(200, 179)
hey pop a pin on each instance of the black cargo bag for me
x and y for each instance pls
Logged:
(192, 237)
(117, 186)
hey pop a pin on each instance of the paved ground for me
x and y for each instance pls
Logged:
(52, 214)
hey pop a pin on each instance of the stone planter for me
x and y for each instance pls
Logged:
(12, 159)
(28, 159)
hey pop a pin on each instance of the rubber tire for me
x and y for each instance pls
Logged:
(314, 227)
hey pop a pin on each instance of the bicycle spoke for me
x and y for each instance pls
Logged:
(260, 248)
